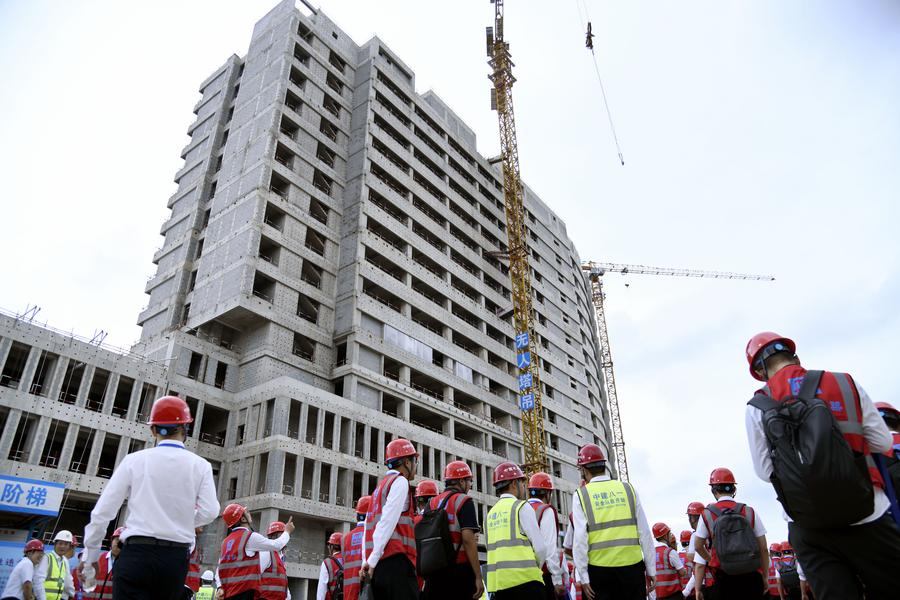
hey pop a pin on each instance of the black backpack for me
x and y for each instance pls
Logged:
(819, 480)
(734, 541)
(434, 547)
(337, 590)
(790, 577)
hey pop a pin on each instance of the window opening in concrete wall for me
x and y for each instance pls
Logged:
(274, 217)
(262, 473)
(297, 78)
(315, 242)
(279, 186)
(311, 274)
(290, 473)
(192, 280)
(53, 445)
(284, 156)
(328, 129)
(43, 373)
(309, 466)
(389, 154)
(14, 365)
(340, 354)
(82, 452)
(71, 382)
(195, 365)
(381, 295)
(122, 399)
(304, 347)
(269, 427)
(346, 431)
(328, 432)
(304, 32)
(312, 422)
(232, 488)
(332, 106)
(135, 445)
(269, 250)
(264, 287)
(373, 444)
(294, 419)
(384, 234)
(398, 137)
(148, 395)
(240, 434)
(338, 386)
(221, 374)
(293, 102)
(18, 450)
(359, 440)
(390, 405)
(213, 425)
(97, 391)
(318, 211)
(193, 405)
(108, 455)
(357, 489)
(301, 55)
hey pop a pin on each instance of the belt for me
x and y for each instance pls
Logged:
(152, 541)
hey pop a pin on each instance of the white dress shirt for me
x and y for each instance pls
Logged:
(42, 570)
(170, 493)
(567, 538)
(23, 572)
(580, 535)
(877, 435)
(397, 501)
(550, 533)
(529, 526)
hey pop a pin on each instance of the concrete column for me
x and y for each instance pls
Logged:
(68, 449)
(109, 394)
(320, 427)
(275, 475)
(198, 420)
(122, 449)
(34, 355)
(336, 433)
(404, 374)
(94, 455)
(56, 379)
(282, 414)
(9, 430)
(6, 344)
(403, 410)
(317, 475)
(380, 446)
(304, 418)
(134, 401)
(367, 442)
(87, 374)
(37, 439)
(333, 484)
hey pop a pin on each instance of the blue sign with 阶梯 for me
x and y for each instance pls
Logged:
(526, 402)
(525, 381)
(523, 360)
(31, 496)
(10, 555)
(521, 340)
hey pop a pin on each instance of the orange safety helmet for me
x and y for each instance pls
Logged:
(232, 514)
(335, 539)
(426, 489)
(170, 410)
(507, 471)
(275, 527)
(457, 469)
(721, 476)
(117, 532)
(399, 448)
(660, 530)
(34, 545)
(590, 454)
(760, 342)
(695, 509)
(686, 536)
(540, 481)
(363, 505)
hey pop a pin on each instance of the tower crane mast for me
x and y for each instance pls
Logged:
(595, 272)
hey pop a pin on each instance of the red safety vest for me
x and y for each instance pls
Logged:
(403, 538)
(772, 579)
(193, 575)
(351, 550)
(571, 567)
(709, 518)
(237, 571)
(452, 509)
(667, 581)
(333, 564)
(688, 567)
(273, 582)
(540, 508)
(104, 589)
(839, 392)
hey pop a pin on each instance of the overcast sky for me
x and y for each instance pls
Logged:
(759, 136)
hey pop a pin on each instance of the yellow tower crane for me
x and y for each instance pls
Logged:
(595, 272)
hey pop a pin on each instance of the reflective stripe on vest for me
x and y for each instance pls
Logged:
(351, 550)
(331, 567)
(452, 510)
(204, 593)
(273, 582)
(237, 572)
(54, 585)
(609, 508)
(711, 513)
(540, 508)
(193, 576)
(772, 578)
(839, 393)
(667, 581)
(510, 557)
(403, 537)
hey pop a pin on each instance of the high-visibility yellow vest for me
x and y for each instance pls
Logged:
(510, 558)
(609, 509)
(55, 584)
(205, 592)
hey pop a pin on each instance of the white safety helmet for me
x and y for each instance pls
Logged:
(207, 575)
(64, 535)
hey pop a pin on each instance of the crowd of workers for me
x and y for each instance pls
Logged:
(826, 448)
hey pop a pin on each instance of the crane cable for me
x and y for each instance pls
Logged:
(589, 43)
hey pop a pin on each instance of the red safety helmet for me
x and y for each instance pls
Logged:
(884, 407)
(721, 476)
(589, 454)
(117, 532)
(335, 539)
(686, 536)
(660, 530)
(775, 547)
(232, 514)
(507, 471)
(786, 547)
(34, 545)
(426, 489)
(170, 410)
(457, 469)
(695, 508)
(363, 505)
(399, 448)
(275, 527)
(540, 481)
(762, 340)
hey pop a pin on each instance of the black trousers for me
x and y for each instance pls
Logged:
(453, 583)
(395, 579)
(533, 590)
(846, 562)
(749, 586)
(618, 583)
(549, 589)
(147, 572)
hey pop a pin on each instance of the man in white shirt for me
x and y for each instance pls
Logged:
(332, 566)
(835, 559)
(540, 488)
(53, 577)
(670, 570)
(170, 493)
(236, 575)
(20, 583)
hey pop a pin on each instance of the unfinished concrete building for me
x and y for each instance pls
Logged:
(325, 284)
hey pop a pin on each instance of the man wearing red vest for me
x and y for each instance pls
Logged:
(540, 488)
(389, 556)
(273, 581)
(670, 571)
(104, 589)
(425, 491)
(772, 575)
(461, 580)
(238, 575)
(748, 586)
(836, 560)
(351, 549)
(192, 581)
(331, 569)
(694, 510)
(687, 581)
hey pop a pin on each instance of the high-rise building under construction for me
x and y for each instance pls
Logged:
(331, 277)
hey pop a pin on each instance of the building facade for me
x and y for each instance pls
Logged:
(327, 282)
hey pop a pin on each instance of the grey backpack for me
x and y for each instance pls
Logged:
(733, 539)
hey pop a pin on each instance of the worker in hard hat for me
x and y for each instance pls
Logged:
(331, 571)
(192, 581)
(694, 510)
(20, 581)
(772, 584)
(612, 544)
(239, 572)
(733, 586)
(207, 589)
(425, 491)
(462, 578)
(845, 537)
(515, 544)
(687, 582)
(105, 564)
(389, 557)
(670, 570)
(273, 580)
(540, 490)
(170, 492)
(351, 549)
(53, 572)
